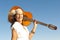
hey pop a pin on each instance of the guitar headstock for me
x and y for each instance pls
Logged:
(53, 27)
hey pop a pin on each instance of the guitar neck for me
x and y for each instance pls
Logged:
(38, 22)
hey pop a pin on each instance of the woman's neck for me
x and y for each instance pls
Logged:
(20, 22)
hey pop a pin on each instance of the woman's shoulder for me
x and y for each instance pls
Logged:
(16, 24)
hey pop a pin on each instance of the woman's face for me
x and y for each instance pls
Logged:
(19, 15)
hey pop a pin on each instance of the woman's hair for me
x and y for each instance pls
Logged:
(14, 20)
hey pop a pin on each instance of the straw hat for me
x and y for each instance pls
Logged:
(13, 12)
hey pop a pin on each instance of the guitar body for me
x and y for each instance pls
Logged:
(28, 15)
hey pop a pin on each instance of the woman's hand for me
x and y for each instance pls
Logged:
(35, 26)
(35, 23)
(33, 30)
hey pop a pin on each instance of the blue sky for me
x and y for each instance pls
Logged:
(47, 11)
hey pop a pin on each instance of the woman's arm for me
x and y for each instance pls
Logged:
(14, 34)
(33, 30)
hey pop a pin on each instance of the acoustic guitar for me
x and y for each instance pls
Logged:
(28, 18)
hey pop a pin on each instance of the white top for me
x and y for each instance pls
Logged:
(23, 33)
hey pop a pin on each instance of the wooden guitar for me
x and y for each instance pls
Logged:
(28, 19)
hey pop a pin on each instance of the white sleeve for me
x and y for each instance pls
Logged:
(17, 27)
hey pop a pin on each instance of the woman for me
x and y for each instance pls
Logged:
(19, 31)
